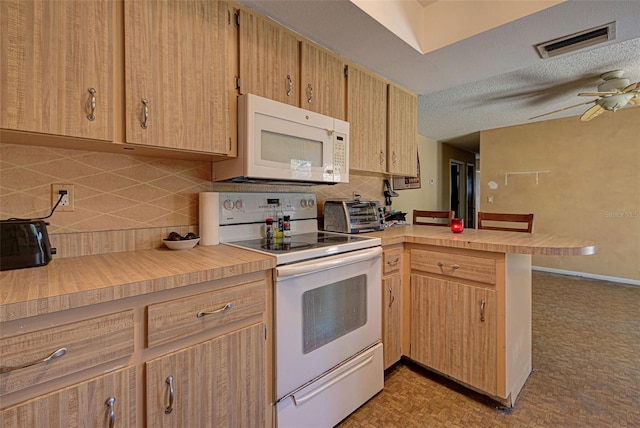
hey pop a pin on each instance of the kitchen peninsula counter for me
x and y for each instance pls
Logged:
(488, 240)
(465, 298)
(82, 281)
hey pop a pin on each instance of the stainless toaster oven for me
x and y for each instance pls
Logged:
(353, 216)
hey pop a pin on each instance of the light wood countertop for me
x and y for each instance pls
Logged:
(80, 281)
(488, 240)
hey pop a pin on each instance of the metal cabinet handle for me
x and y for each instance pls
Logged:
(112, 411)
(482, 304)
(391, 297)
(169, 408)
(217, 311)
(289, 85)
(443, 265)
(92, 103)
(55, 354)
(145, 113)
(381, 157)
(393, 262)
(309, 93)
(394, 157)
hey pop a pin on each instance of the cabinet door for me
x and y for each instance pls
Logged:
(57, 62)
(269, 60)
(323, 84)
(176, 59)
(218, 383)
(391, 335)
(94, 403)
(402, 132)
(367, 116)
(453, 330)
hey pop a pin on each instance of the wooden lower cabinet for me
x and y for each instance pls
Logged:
(218, 383)
(94, 403)
(216, 348)
(391, 329)
(470, 317)
(453, 330)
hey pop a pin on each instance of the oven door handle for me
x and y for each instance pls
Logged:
(298, 400)
(325, 263)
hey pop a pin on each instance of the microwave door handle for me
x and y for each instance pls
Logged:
(316, 265)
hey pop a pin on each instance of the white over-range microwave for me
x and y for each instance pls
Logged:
(278, 142)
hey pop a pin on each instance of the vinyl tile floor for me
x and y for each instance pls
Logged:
(586, 369)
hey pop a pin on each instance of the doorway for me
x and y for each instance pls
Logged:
(456, 185)
(470, 221)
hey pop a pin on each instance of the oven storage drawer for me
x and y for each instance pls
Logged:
(174, 319)
(332, 397)
(455, 265)
(33, 358)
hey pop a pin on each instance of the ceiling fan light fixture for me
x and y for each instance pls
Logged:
(576, 41)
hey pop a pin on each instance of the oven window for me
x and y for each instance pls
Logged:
(333, 310)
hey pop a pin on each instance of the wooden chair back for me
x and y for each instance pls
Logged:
(516, 222)
(436, 218)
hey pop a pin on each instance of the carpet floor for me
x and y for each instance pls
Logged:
(586, 369)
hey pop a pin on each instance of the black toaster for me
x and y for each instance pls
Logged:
(24, 244)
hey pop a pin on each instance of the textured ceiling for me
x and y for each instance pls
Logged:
(491, 80)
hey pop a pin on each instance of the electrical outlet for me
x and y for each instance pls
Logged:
(66, 203)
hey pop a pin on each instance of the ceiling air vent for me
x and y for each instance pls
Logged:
(576, 41)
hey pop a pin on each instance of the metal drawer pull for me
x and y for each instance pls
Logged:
(112, 411)
(454, 267)
(381, 157)
(309, 93)
(56, 354)
(482, 303)
(289, 85)
(393, 262)
(391, 297)
(145, 113)
(92, 103)
(217, 311)
(169, 408)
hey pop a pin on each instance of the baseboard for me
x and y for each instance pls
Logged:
(587, 275)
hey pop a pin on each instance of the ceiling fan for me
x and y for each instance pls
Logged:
(614, 93)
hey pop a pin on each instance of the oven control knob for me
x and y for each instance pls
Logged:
(311, 203)
(228, 204)
(239, 204)
(303, 203)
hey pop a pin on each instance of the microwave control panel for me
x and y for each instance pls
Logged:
(339, 153)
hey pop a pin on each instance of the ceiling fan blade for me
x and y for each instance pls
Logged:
(562, 109)
(631, 87)
(594, 111)
(597, 94)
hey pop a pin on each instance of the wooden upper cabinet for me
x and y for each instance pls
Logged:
(176, 67)
(322, 77)
(402, 135)
(269, 59)
(57, 61)
(367, 116)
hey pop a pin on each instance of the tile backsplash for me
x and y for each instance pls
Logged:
(111, 191)
(125, 202)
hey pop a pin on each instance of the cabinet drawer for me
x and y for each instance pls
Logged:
(455, 265)
(183, 317)
(391, 260)
(88, 343)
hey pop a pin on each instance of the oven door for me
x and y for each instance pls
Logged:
(327, 310)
